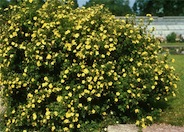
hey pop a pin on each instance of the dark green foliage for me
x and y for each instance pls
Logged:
(159, 7)
(117, 7)
(171, 37)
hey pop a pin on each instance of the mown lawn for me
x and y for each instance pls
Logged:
(174, 114)
(176, 44)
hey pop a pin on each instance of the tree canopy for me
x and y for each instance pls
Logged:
(4, 4)
(159, 7)
(117, 7)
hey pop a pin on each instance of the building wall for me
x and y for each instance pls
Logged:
(165, 25)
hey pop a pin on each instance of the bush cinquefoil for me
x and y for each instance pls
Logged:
(64, 69)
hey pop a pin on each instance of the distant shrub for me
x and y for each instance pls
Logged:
(171, 37)
(70, 70)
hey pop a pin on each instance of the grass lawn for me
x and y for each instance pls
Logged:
(174, 114)
(176, 44)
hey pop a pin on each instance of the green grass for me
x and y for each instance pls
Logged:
(176, 44)
(174, 114)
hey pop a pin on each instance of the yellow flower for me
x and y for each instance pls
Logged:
(106, 46)
(175, 85)
(34, 116)
(98, 95)
(70, 94)
(173, 60)
(108, 53)
(33, 36)
(136, 110)
(78, 27)
(138, 79)
(153, 87)
(68, 114)
(71, 126)
(156, 77)
(80, 105)
(39, 101)
(103, 56)
(30, 1)
(62, 80)
(92, 22)
(59, 98)
(67, 32)
(89, 99)
(66, 121)
(47, 117)
(35, 18)
(129, 91)
(76, 35)
(86, 71)
(166, 66)
(78, 125)
(13, 111)
(44, 84)
(32, 79)
(66, 129)
(137, 122)
(104, 113)
(33, 105)
(66, 71)
(143, 125)
(90, 87)
(124, 74)
(173, 93)
(116, 99)
(50, 85)
(149, 118)
(29, 95)
(93, 111)
(53, 128)
(14, 34)
(46, 79)
(68, 46)
(131, 59)
(148, 15)
(23, 114)
(110, 83)
(88, 46)
(117, 93)
(151, 19)
(38, 63)
(111, 39)
(48, 57)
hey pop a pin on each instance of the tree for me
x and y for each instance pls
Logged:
(75, 4)
(117, 7)
(159, 7)
(4, 4)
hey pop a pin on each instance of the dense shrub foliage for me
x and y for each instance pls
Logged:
(171, 37)
(67, 70)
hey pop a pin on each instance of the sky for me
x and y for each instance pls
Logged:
(82, 2)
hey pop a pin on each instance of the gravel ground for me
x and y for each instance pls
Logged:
(163, 128)
(152, 128)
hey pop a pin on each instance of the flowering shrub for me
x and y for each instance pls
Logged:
(65, 69)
